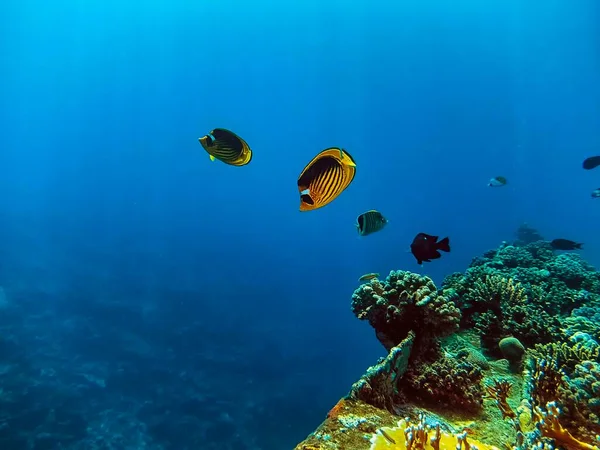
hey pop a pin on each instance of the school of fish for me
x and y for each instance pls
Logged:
(331, 171)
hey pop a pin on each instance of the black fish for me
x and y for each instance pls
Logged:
(565, 244)
(370, 222)
(425, 247)
(591, 162)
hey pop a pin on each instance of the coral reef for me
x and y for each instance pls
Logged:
(405, 302)
(527, 292)
(441, 386)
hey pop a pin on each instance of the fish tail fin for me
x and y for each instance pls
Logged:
(579, 246)
(444, 245)
(212, 158)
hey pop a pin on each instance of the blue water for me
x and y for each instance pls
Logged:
(158, 299)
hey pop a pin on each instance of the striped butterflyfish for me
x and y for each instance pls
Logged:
(325, 177)
(370, 222)
(226, 146)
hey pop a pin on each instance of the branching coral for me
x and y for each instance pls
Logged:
(567, 355)
(405, 301)
(550, 427)
(499, 392)
(444, 383)
(499, 307)
(564, 373)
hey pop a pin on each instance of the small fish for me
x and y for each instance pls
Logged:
(226, 146)
(425, 247)
(591, 162)
(370, 222)
(369, 276)
(497, 182)
(565, 244)
(387, 437)
(596, 193)
(325, 177)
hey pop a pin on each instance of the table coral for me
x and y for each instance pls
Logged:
(499, 391)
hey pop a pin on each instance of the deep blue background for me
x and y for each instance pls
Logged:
(105, 191)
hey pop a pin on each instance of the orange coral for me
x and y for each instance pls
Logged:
(336, 410)
(499, 392)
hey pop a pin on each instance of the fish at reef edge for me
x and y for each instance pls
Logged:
(425, 247)
(369, 276)
(565, 244)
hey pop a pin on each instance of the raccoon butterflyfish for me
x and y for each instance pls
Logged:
(325, 177)
(227, 147)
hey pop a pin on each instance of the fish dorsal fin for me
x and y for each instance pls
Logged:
(345, 158)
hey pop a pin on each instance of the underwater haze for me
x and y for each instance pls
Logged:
(152, 298)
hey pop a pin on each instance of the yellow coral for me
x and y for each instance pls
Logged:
(420, 436)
